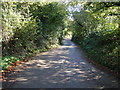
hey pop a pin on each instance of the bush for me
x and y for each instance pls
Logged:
(99, 36)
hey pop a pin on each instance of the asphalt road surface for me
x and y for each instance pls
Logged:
(63, 67)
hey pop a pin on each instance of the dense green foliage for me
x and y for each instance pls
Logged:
(7, 61)
(31, 27)
(97, 30)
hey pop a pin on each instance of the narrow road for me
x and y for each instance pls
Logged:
(64, 67)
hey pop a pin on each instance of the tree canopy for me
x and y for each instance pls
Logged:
(32, 27)
(97, 30)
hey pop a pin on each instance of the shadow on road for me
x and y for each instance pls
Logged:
(64, 67)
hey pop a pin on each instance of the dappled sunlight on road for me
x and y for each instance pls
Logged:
(64, 67)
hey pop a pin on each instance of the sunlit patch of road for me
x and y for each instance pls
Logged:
(64, 67)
